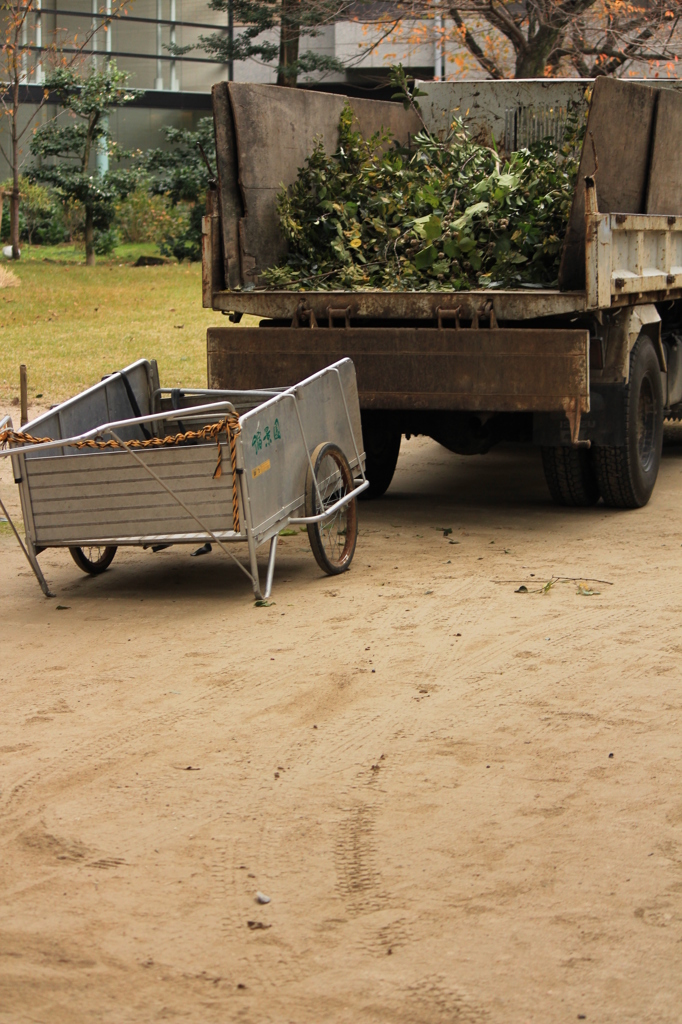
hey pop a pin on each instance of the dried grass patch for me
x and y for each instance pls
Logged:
(8, 279)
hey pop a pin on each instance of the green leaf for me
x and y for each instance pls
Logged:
(469, 214)
(425, 258)
(508, 181)
(429, 197)
(432, 228)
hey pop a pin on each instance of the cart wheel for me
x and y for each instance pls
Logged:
(93, 560)
(333, 540)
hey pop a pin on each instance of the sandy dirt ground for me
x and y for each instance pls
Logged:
(464, 802)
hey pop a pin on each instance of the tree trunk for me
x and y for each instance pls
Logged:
(14, 199)
(89, 238)
(290, 33)
(533, 60)
(14, 222)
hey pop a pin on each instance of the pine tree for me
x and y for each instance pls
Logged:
(23, 58)
(296, 20)
(71, 148)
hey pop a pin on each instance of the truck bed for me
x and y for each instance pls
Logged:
(625, 248)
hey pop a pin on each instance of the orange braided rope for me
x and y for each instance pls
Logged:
(229, 425)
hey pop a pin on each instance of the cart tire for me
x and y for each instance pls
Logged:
(570, 476)
(93, 560)
(627, 473)
(382, 447)
(332, 542)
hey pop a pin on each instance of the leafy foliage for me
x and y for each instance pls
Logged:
(182, 174)
(180, 171)
(41, 217)
(183, 240)
(106, 241)
(439, 215)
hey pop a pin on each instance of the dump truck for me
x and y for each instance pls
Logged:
(587, 371)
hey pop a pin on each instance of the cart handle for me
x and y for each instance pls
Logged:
(333, 508)
(171, 414)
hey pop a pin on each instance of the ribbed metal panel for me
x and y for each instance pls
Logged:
(108, 494)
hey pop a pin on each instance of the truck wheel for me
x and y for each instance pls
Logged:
(627, 473)
(570, 476)
(382, 447)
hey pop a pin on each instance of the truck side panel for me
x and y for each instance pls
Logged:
(663, 193)
(229, 193)
(619, 132)
(263, 136)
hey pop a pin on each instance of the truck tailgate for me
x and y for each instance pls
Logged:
(491, 370)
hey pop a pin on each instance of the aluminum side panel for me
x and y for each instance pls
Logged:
(107, 494)
(274, 451)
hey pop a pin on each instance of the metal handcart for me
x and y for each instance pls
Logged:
(128, 462)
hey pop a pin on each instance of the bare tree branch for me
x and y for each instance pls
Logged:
(473, 47)
(549, 37)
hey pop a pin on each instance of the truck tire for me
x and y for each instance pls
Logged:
(627, 473)
(382, 446)
(570, 476)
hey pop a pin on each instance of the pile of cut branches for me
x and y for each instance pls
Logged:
(441, 215)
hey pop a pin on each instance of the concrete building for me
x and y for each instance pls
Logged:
(176, 90)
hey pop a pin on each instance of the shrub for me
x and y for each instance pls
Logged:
(143, 217)
(73, 216)
(181, 175)
(5, 229)
(183, 239)
(41, 216)
(106, 241)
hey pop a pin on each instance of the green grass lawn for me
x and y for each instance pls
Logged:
(71, 324)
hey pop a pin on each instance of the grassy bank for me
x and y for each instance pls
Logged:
(72, 324)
